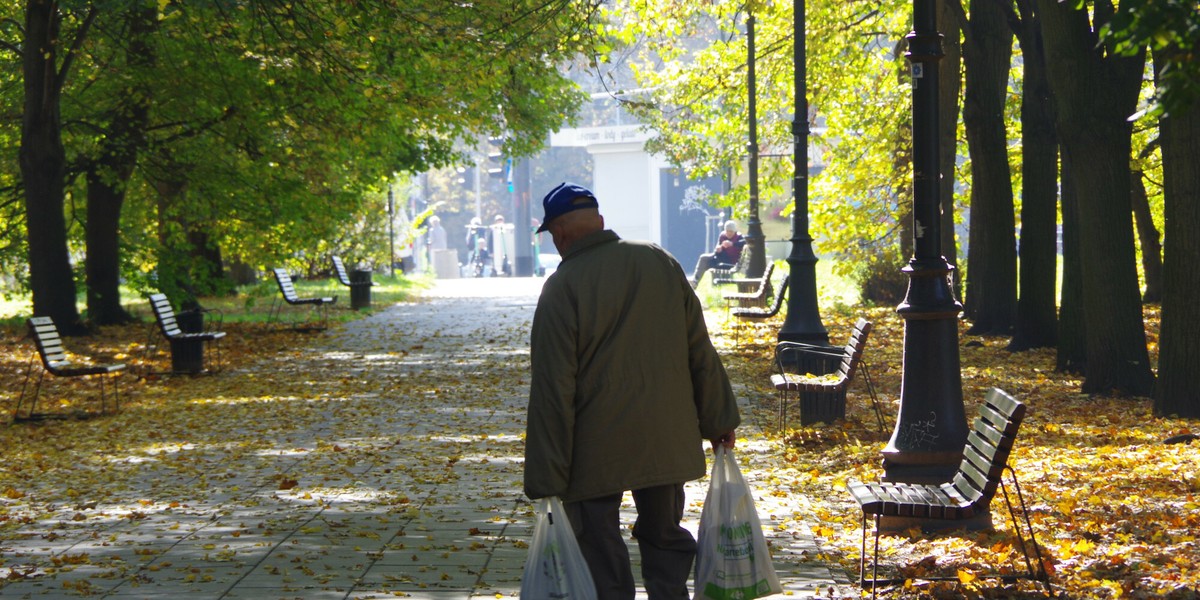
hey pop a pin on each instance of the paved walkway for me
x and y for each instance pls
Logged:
(392, 468)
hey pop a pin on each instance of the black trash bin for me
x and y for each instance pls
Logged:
(360, 289)
(190, 321)
(187, 354)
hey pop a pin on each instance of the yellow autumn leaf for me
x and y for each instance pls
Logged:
(1083, 546)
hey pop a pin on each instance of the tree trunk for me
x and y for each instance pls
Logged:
(1148, 236)
(207, 263)
(949, 88)
(1095, 93)
(109, 174)
(1178, 389)
(102, 236)
(991, 300)
(1072, 336)
(190, 262)
(43, 171)
(1036, 324)
(171, 272)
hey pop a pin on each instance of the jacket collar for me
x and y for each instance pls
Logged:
(590, 241)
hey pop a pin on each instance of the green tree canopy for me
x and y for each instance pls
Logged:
(693, 66)
(269, 126)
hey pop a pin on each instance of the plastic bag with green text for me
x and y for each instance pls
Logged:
(555, 568)
(733, 562)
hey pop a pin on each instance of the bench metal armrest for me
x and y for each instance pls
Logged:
(729, 280)
(214, 318)
(809, 348)
(784, 348)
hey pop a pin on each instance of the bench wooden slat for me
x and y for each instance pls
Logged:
(340, 268)
(984, 457)
(759, 294)
(849, 359)
(724, 273)
(343, 275)
(49, 343)
(760, 313)
(54, 359)
(287, 290)
(970, 491)
(186, 357)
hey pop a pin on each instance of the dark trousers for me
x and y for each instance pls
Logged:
(706, 262)
(668, 550)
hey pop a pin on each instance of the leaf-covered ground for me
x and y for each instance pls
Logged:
(1115, 509)
(379, 459)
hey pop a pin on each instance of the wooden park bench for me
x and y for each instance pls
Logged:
(187, 347)
(967, 494)
(287, 289)
(55, 361)
(753, 291)
(725, 273)
(760, 313)
(360, 290)
(822, 397)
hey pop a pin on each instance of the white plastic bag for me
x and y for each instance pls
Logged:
(733, 562)
(555, 568)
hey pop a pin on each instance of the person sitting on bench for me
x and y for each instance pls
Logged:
(724, 256)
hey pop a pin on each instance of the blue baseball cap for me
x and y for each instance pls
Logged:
(564, 199)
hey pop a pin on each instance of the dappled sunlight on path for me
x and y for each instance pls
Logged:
(381, 458)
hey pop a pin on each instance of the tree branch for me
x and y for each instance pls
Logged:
(76, 44)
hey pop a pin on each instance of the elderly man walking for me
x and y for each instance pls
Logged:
(625, 387)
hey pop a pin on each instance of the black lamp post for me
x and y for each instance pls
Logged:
(757, 263)
(803, 320)
(522, 235)
(391, 232)
(926, 445)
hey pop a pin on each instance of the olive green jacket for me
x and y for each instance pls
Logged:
(626, 384)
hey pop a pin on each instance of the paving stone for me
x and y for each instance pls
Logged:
(422, 503)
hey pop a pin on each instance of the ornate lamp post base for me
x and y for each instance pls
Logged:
(931, 429)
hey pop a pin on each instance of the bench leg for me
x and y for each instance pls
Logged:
(875, 556)
(217, 350)
(874, 581)
(37, 390)
(275, 311)
(875, 560)
(151, 335)
(783, 400)
(1040, 574)
(116, 394)
(866, 375)
(862, 555)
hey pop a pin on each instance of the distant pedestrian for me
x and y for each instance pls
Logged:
(500, 238)
(437, 234)
(726, 254)
(625, 387)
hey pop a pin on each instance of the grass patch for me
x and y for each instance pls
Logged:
(250, 303)
(834, 292)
